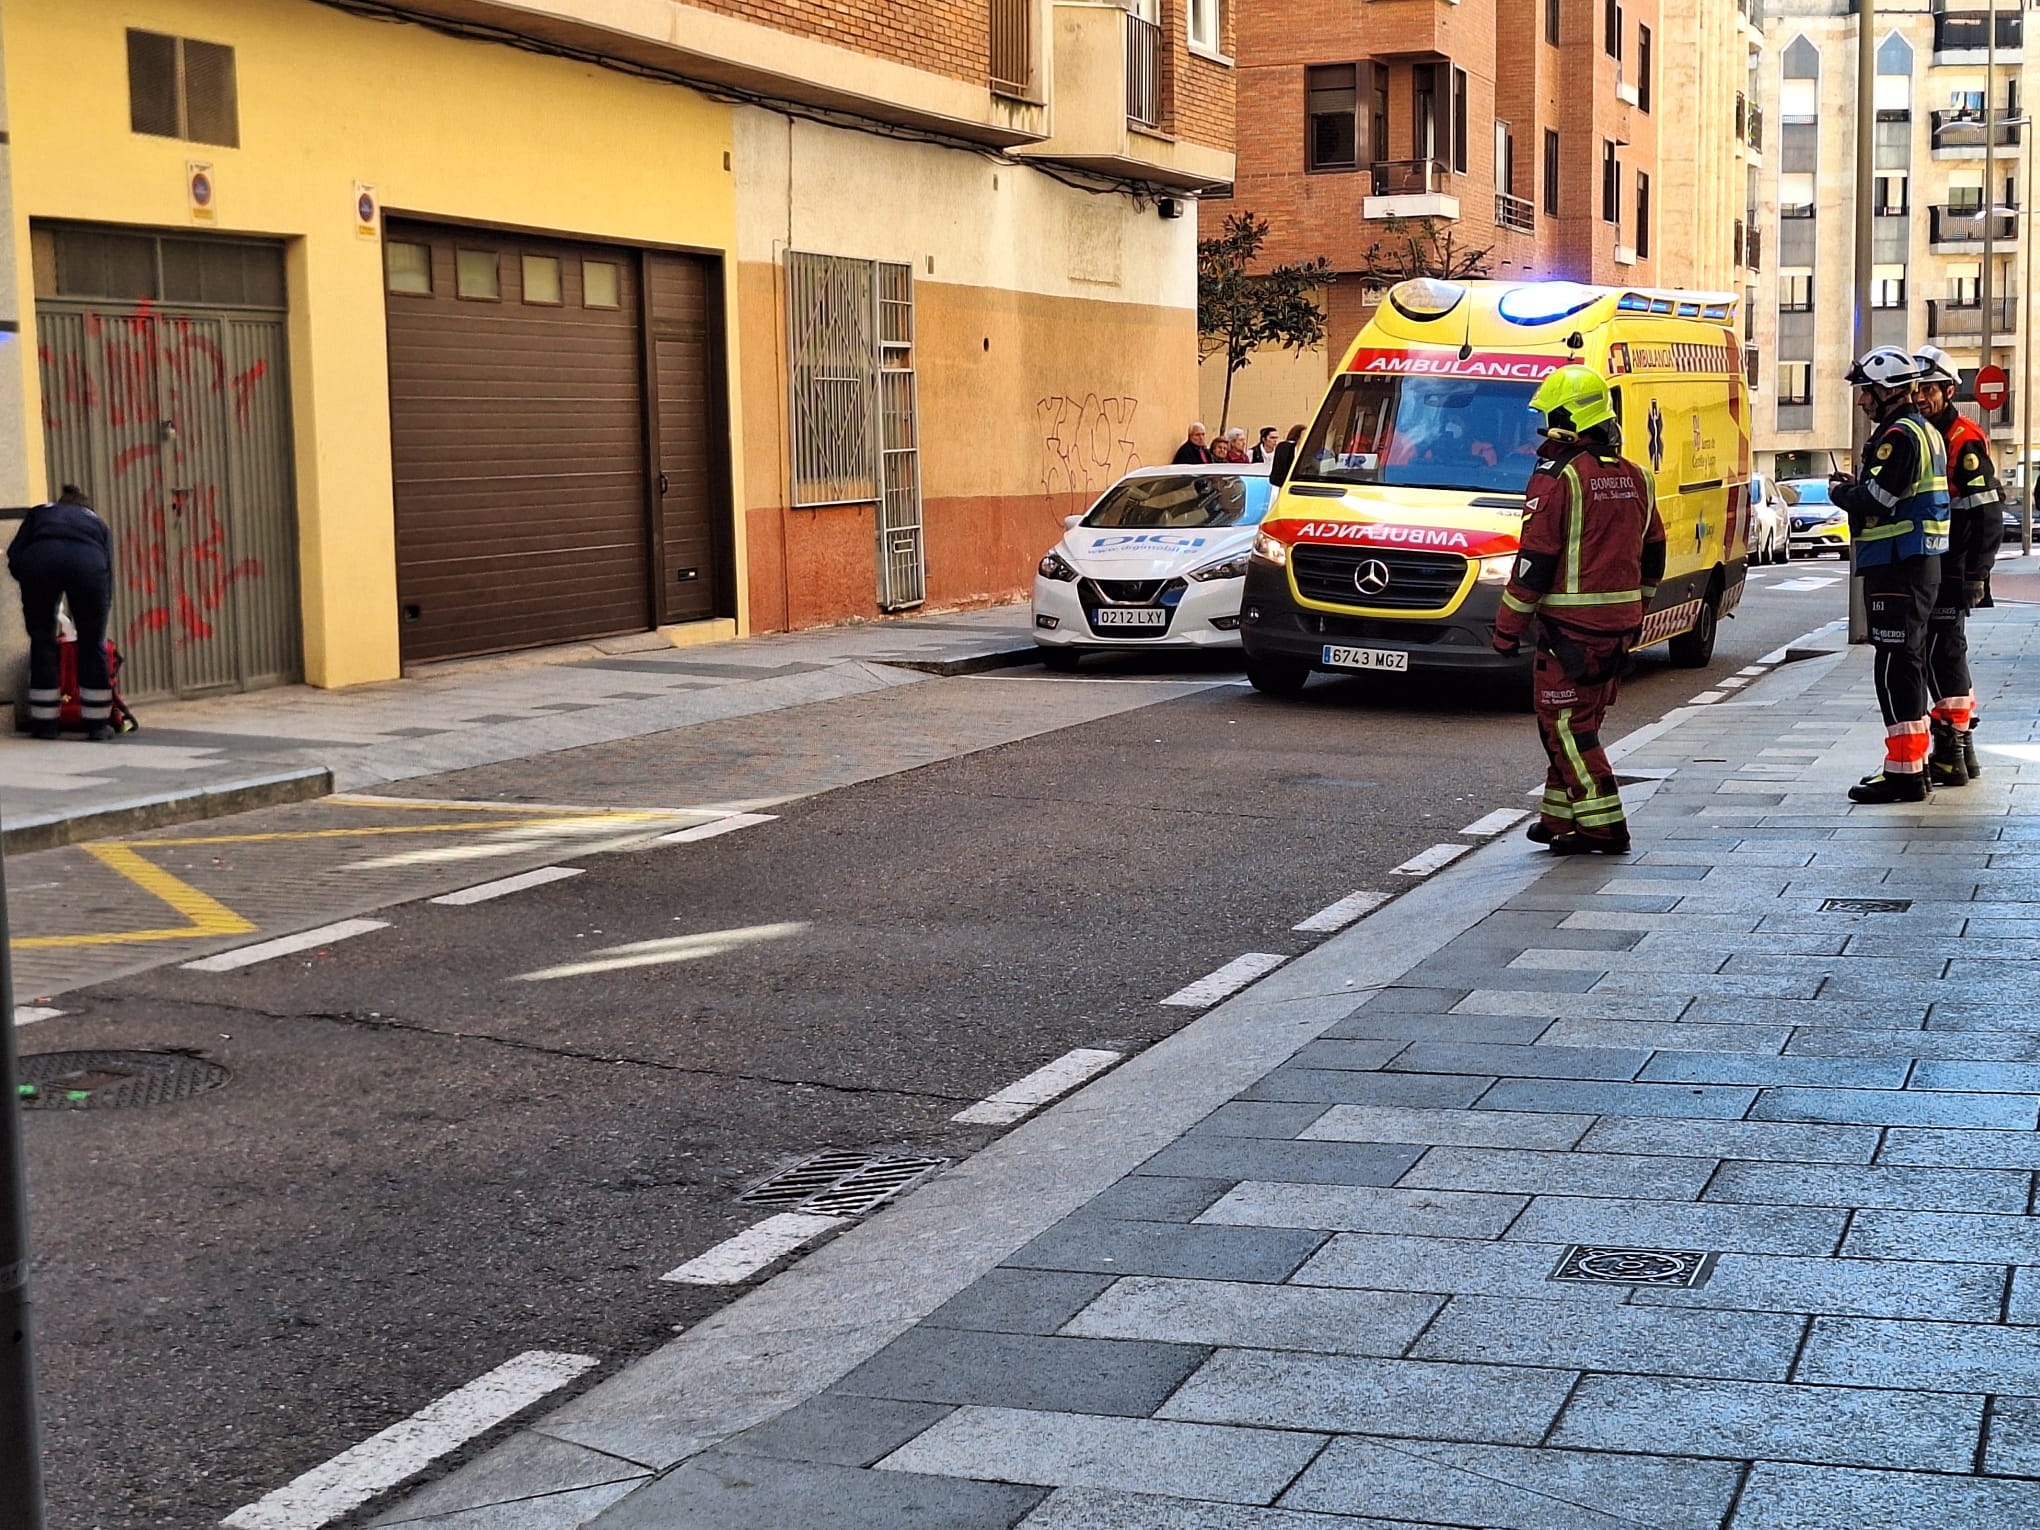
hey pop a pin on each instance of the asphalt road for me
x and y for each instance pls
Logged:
(429, 1160)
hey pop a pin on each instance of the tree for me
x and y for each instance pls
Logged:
(1238, 313)
(1415, 248)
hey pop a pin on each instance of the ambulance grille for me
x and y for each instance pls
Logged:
(1417, 581)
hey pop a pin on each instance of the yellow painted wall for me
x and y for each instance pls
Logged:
(1278, 387)
(442, 128)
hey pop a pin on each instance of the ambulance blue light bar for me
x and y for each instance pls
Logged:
(1546, 302)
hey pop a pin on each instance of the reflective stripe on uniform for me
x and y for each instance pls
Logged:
(44, 706)
(1521, 607)
(1575, 528)
(1878, 492)
(1889, 530)
(1607, 598)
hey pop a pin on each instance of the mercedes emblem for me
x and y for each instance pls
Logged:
(1371, 577)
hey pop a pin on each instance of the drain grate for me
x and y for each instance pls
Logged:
(1596, 1264)
(841, 1183)
(1865, 905)
(113, 1080)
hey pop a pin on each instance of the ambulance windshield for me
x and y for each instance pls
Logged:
(1472, 433)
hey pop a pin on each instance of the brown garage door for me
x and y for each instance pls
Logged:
(518, 427)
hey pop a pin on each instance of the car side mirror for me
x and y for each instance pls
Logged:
(1072, 522)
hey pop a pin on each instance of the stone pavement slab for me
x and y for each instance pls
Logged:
(719, 1492)
(1091, 1509)
(1786, 1497)
(1506, 1331)
(1243, 1314)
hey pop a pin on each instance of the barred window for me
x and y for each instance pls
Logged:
(846, 320)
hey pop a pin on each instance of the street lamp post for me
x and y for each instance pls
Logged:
(1989, 173)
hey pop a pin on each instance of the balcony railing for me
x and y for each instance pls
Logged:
(1742, 112)
(1753, 249)
(1961, 225)
(1518, 213)
(1143, 71)
(1741, 242)
(1969, 31)
(1964, 321)
(1408, 177)
(1756, 126)
(1013, 47)
(1964, 129)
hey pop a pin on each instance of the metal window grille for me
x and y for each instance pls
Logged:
(1143, 71)
(902, 545)
(1013, 47)
(833, 366)
(179, 87)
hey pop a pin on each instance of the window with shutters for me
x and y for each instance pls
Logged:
(1459, 115)
(1643, 69)
(1332, 112)
(1642, 216)
(179, 87)
(1611, 183)
(1551, 172)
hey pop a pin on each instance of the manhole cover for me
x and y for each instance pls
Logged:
(1598, 1265)
(842, 1184)
(113, 1080)
(1865, 905)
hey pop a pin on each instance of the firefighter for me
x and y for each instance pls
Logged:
(1975, 525)
(1592, 552)
(63, 552)
(1898, 521)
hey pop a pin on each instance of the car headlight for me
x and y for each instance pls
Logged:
(1053, 567)
(1496, 570)
(1234, 567)
(1270, 550)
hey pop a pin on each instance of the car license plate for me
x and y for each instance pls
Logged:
(1365, 658)
(1131, 616)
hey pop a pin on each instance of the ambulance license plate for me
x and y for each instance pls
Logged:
(1365, 658)
(1131, 616)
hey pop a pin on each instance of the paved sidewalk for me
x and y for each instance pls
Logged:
(1293, 1268)
(200, 759)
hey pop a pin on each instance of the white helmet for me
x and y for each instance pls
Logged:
(1937, 366)
(1888, 366)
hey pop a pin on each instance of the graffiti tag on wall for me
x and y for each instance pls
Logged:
(151, 386)
(1086, 441)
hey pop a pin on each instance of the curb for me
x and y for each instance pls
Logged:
(49, 831)
(977, 663)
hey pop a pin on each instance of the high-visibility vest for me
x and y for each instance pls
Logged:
(1915, 525)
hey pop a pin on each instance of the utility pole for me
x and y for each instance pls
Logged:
(21, 1483)
(1866, 160)
(2026, 329)
(1990, 202)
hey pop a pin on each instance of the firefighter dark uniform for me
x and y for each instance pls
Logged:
(1975, 524)
(1592, 552)
(1898, 519)
(64, 552)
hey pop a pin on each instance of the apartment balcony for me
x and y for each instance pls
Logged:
(1963, 37)
(1753, 249)
(1518, 213)
(1963, 134)
(1959, 231)
(1411, 188)
(1755, 136)
(1961, 324)
(1109, 113)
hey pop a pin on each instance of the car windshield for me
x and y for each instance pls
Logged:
(1424, 432)
(1811, 491)
(1182, 502)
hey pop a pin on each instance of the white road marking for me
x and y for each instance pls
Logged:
(1809, 584)
(1706, 698)
(1495, 822)
(1753, 670)
(673, 948)
(719, 826)
(28, 1014)
(1039, 1087)
(1731, 683)
(1336, 916)
(287, 945)
(739, 1258)
(383, 1460)
(1230, 978)
(1424, 862)
(483, 892)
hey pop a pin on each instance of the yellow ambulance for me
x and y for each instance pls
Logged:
(1390, 542)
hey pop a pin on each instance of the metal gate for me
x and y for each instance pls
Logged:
(176, 421)
(902, 549)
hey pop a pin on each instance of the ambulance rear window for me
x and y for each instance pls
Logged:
(1472, 433)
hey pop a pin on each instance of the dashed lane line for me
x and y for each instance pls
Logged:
(28, 1014)
(286, 945)
(1229, 979)
(722, 825)
(1495, 822)
(1024, 1096)
(383, 1460)
(504, 886)
(737, 1259)
(1336, 916)
(1424, 862)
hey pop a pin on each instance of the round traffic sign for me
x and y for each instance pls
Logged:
(1991, 385)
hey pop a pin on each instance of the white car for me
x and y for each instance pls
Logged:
(1770, 522)
(1159, 561)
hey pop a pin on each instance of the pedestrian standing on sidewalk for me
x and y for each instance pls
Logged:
(1284, 457)
(1193, 450)
(1591, 555)
(1264, 445)
(1975, 526)
(63, 552)
(1898, 520)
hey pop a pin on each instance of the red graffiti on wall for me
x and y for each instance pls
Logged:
(157, 389)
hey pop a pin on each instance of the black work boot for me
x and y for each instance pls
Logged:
(1969, 761)
(1882, 788)
(1945, 766)
(42, 730)
(1591, 844)
(1537, 834)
